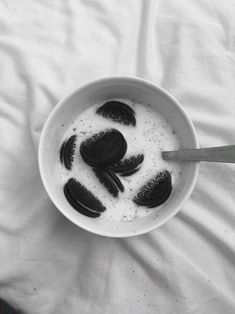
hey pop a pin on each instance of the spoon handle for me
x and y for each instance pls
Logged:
(214, 154)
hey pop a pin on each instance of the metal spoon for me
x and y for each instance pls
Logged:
(212, 154)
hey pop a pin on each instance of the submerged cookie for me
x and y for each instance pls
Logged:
(67, 152)
(107, 181)
(118, 112)
(115, 179)
(156, 191)
(81, 209)
(104, 148)
(129, 165)
(83, 200)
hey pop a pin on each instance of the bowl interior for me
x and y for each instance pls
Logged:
(78, 101)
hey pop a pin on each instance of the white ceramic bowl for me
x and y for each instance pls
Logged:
(104, 89)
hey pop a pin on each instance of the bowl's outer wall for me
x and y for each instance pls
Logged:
(69, 108)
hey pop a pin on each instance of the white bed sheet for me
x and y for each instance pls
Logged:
(47, 264)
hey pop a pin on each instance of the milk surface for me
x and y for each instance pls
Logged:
(151, 135)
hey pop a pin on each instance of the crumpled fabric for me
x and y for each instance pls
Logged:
(48, 48)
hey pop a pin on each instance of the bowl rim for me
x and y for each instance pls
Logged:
(115, 80)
